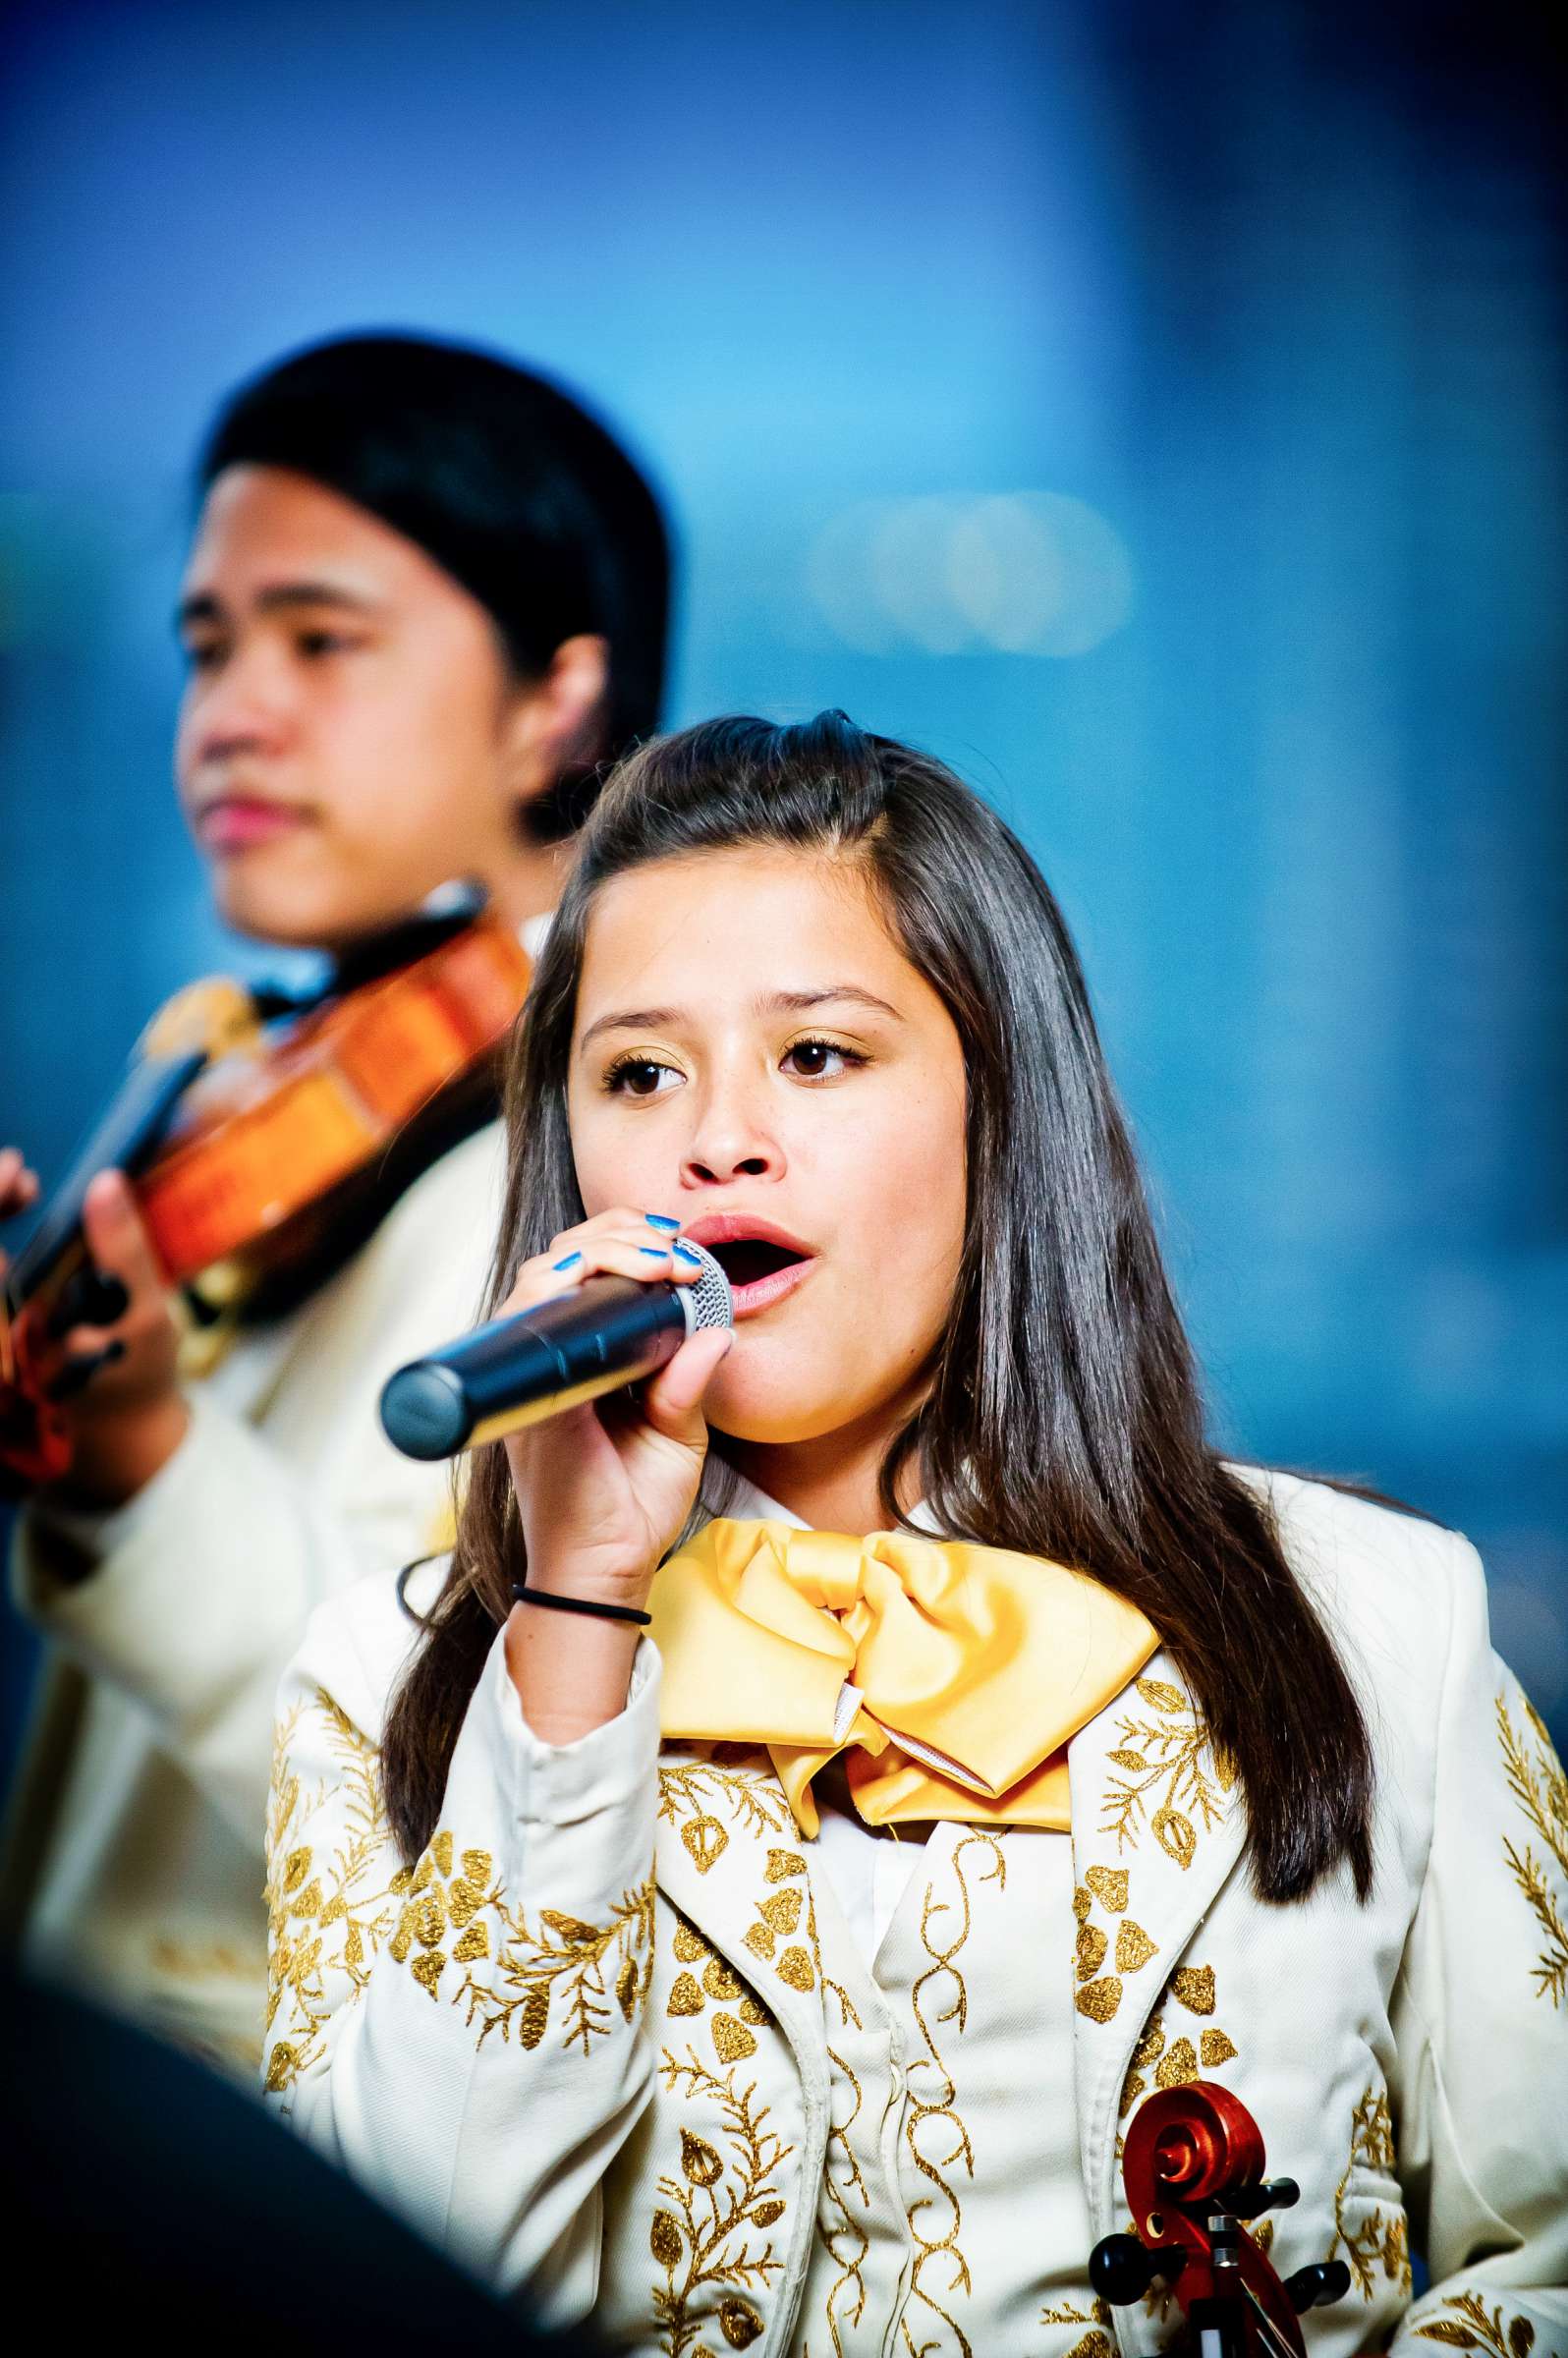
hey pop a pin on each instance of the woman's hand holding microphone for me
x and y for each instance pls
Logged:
(602, 1489)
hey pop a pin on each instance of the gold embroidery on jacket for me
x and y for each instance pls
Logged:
(713, 2202)
(440, 1907)
(322, 1919)
(567, 1958)
(1176, 2062)
(1097, 2341)
(691, 1991)
(844, 2238)
(1381, 2241)
(942, 2107)
(1538, 1784)
(690, 1789)
(1163, 1756)
(1099, 1994)
(1473, 2328)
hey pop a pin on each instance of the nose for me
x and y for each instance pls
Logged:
(241, 709)
(731, 1140)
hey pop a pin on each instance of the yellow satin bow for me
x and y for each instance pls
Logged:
(953, 1675)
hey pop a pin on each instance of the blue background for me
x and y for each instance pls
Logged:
(1157, 411)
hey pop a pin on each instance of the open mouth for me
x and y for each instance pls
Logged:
(749, 1259)
(761, 1270)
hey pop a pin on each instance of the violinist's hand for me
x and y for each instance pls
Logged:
(603, 1489)
(118, 1383)
(19, 1187)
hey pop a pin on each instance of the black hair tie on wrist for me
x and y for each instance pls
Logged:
(523, 1594)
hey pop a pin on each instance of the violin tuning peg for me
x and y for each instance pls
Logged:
(1270, 2194)
(1121, 2269)
(1316, 2286)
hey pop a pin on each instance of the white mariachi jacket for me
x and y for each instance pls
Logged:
(597, 2041)
(133, 1860)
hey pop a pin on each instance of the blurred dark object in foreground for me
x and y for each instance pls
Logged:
(139, 2187)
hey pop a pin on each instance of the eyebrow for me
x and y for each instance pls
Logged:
(204, 605)
(776, 1002)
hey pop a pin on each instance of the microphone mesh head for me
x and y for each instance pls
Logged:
(710, 1296)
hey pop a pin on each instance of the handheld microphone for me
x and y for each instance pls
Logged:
(521, 1370)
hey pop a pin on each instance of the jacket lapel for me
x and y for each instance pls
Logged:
(1158, 1825)
(729, 1857)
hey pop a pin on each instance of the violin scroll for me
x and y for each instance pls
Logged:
(1194, 2170)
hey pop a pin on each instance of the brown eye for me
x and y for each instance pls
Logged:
(819, 1059)
(638, 1077)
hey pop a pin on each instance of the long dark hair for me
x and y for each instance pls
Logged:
(1063, 1416)
(502, 476)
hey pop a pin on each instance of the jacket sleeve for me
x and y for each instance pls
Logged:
(467, 2035)
(1481, 2018)
(193, 1598)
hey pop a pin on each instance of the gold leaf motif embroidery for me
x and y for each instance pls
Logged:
(326, 1918)
(795, 1968)
(782, 1863)
(1381, 2241)
(720, 1982)
(1538, 1784)
(783, 1911)
(1134, 1947)
(1091, 1946)
(1097, 2341)
(739, 2324)
(684, 1997)
(1100, 1999)
(704, 2242)
(1476, 2328)
(732, 2038)
(1159, 2061)
(1178, 2065)
(1177, 1769)
(693, 1790)
(569, 1959)
(1109, 1884)
(706, 1841)
(1192, 1986)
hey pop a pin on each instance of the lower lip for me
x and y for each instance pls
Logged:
(763, 1292)
(241, 826)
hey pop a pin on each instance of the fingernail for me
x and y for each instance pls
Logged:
(660, 1220)
(686, 1253)
(568, 1261)
(655, 1252)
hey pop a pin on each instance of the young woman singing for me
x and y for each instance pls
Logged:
(781, 1972)
(426, 595)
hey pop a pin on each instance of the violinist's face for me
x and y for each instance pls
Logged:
(350, 732)
(755, 1054)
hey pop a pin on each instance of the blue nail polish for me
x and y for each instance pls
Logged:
(686, 1253)
(656, 1252)
(660, 1220)
(568, 1261)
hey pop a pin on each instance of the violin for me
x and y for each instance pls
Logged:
(247, 1118)
(1193, 2172)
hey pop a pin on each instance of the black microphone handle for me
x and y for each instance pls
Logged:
(609, 1331)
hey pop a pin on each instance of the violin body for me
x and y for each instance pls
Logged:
(259, 1138)
(236, 1150)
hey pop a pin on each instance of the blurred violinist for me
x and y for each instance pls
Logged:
(425, 602)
